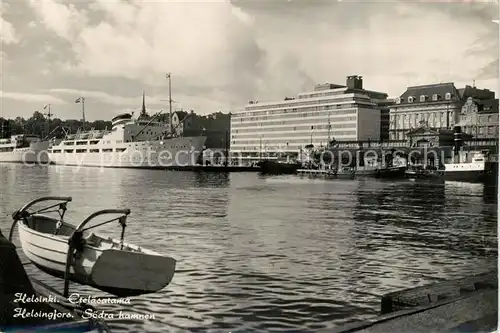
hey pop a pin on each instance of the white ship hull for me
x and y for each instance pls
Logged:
(35, 153)
(175, 152)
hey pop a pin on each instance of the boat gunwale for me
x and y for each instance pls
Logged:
(64, 239)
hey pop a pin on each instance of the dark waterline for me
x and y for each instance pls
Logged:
(277, 253)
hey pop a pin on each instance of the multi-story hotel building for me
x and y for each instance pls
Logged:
(440, 107)
(330, 112)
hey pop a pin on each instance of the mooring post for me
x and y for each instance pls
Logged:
(69, 256)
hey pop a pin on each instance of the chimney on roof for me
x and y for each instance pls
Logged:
(143, 110)
(354, 82)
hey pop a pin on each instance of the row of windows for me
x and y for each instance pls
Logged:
(280, 149)
(294, 132)
(295, 104)
(430, 116)
(419, 115)
(432, 119)
(105, 150)
(332, 108)
(257, 121)
(94, 142)
(279, 107)
(480, 130)
(79, 143)
(291, 128)
(305, 139)
(316, 120)
(485, 130)
(424, 98)
(482, 118)
(449, 107)
(322, 94)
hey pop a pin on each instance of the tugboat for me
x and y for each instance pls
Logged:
(420, 172)
(396, 168)
(474, 167)
(470, 166)
(269, 167)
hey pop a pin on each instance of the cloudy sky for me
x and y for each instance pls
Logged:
(224, 53)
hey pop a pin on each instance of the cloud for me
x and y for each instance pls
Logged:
(99, 96)
(209, 41)
(490, 71)
(29, 97)
(62, 19)
(7, 32)
(223, 53)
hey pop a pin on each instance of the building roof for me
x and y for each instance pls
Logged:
(487, 106)
(372, 94)
(428, 90)
(482, 94)
(181, 114)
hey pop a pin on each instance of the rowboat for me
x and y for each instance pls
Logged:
(79, 255)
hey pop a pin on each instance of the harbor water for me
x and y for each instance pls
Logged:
(275, 253)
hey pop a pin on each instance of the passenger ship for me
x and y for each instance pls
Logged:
(131, 143)
(23, 148)
(473, 166)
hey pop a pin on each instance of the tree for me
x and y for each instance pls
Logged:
(38, 124)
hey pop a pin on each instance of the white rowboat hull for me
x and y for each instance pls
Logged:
(128, 272)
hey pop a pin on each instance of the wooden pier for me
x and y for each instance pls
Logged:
(464, 305)
(214, 168)
(316, 172)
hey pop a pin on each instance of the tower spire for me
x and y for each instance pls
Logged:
(143, 110)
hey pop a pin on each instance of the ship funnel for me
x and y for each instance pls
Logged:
(457, 133)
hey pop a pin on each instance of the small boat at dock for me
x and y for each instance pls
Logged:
(76, 254)
(419, 172)
(343, 173)
(391, 172)
(270, 167)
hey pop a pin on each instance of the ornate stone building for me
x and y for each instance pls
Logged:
(479, 118)
(438, 105)
(425, 136)
(437, 108)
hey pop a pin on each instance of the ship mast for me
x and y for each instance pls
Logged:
(329, 130)
(168, 76)
(143, 110)
(82, 101)
(49, 115)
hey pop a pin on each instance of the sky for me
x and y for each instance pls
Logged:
(222, 54)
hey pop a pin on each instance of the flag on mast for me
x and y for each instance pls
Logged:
(78, 100)
(45, 107)
(167, 75)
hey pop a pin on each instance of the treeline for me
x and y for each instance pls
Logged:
(40, 125)
(215, 127)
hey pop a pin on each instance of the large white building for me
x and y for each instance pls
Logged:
(330, 112)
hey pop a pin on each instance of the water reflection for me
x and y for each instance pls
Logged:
(272, 253)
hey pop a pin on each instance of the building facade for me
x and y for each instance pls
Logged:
(440, 107)
(479, 118)
(312, 119)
